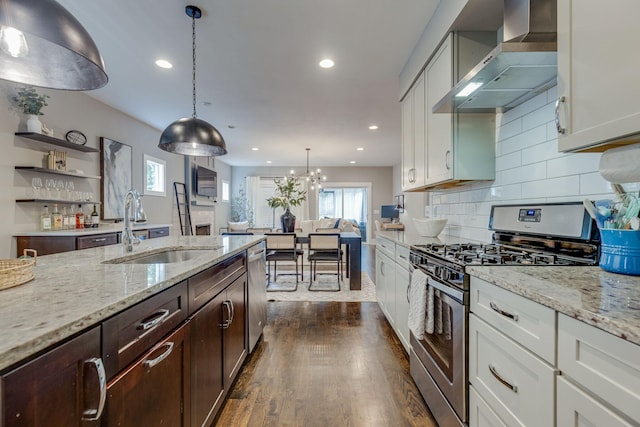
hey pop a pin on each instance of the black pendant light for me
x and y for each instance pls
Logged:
(192, 136)
(42, 44)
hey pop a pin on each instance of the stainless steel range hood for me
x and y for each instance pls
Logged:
(517, 69)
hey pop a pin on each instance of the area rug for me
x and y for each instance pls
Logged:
(367, 293)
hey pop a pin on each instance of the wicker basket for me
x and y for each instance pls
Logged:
(14, 272)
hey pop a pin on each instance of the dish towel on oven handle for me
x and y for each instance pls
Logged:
(418, 303)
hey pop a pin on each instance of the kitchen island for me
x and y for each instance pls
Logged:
(74, 290)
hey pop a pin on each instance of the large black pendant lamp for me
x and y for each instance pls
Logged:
(42, 44)
(192, 136)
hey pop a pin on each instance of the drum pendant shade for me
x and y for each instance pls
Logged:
(193, 136)
(44, 45)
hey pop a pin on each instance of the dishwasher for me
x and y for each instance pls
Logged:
(257, 294)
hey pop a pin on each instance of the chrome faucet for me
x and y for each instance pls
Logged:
(128, 239)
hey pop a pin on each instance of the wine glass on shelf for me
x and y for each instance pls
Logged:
(59, 189)
(69, 188)
(36, 184)
(50, 185)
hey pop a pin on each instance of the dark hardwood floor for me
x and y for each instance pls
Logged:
(326, 364)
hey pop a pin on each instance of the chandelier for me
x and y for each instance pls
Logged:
(314, 178)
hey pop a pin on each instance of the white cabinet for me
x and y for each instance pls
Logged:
(402, 283)
(385, 278)
(460, 146)
(606, 366)
(509, 339)
(577, 408)
(413, 136)
(598, 59)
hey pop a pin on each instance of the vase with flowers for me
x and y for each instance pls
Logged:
(31, 104)
(288, 193)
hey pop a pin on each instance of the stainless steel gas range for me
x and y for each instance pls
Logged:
(540, 234)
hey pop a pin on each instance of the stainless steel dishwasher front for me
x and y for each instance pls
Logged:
(257, 298)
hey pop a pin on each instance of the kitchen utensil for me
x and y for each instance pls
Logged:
(591, 210)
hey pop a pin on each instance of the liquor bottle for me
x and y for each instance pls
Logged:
(65, 218)
(56, 218)
(71, 218)
(95, 218)
(79, 218)
(45, 219)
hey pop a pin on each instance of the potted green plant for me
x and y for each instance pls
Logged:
(31, 104)
(289, 193)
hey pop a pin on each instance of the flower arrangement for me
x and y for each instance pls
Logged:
(288, 193)
(30, 101)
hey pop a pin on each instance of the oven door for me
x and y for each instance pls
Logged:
(444, 353)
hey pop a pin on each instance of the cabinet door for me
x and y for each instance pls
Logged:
(235, 342)
(402, 305)
(419, 147)
(407, 140)
(598, 59)
(387, 279)
(86, 242)
(153, 391)
(576, 408)
(59, 388)
(439, 73)
(207, 379)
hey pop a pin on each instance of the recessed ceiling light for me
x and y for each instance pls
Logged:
(326, 63)
(352, 162)
(163, 63)
(254, 148)
(373, 127)
(360, 148)
(268, 161)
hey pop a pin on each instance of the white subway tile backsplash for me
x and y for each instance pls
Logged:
(529, 169)
(523, 140)
(554, 187)
(573, 164)
(508, 161)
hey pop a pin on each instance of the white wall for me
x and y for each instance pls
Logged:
(75, 110)
(528, 169)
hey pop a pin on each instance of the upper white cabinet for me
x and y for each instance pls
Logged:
(442, 149)
(413, 136)
(598, 87)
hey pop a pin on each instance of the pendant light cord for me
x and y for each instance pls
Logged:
(193, 80)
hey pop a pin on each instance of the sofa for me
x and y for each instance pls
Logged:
(311, 225)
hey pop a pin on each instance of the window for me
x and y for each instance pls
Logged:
(225, 190)
(154, 184)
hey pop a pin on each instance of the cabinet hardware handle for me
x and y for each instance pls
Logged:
(447, 157)
(382, 268)
(498, 310)
(156, 318)
(233, 312)
(153, 362)
(94, 414)
(559, 127)
(403, 257)
(507, 384)
(104, 239)
(409, 290)
(227, 322)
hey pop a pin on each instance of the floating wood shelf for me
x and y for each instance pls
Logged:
(66, 202)
(56, 172)
(56, 141)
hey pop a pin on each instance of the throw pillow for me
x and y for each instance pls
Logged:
(238, 226)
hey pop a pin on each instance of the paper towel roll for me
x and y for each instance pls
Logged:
(621, 165)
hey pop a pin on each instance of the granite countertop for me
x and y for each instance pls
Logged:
(605, 300)
(407, 238)
(75, 290)
(104, 228)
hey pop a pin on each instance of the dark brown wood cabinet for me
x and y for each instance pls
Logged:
(46, 245)
(218, 349)
(63, 387)
(158, 232)
(154, 391)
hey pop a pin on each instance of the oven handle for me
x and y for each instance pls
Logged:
(454, 293)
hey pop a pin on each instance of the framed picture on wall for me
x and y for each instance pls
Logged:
(115, 167)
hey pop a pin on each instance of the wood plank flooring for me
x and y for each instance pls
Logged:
(326, 364)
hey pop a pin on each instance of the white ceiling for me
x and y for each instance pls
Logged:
(257, 67)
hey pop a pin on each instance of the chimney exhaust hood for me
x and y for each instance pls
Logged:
(517, 69)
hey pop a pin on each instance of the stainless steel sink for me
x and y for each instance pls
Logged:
(164, 257)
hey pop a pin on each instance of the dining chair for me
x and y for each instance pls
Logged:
(324, 248)
(282, 247)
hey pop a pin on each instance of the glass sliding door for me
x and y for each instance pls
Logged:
(345, 201)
